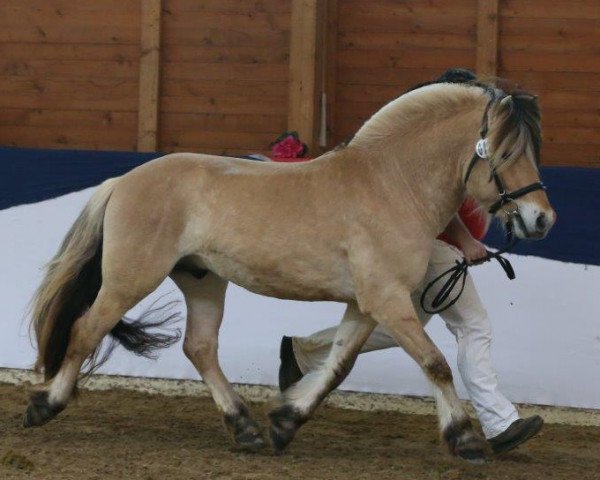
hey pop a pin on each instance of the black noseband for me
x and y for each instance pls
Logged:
(509, 197)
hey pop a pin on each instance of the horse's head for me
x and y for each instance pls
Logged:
(503, 174)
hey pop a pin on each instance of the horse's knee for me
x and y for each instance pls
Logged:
(199, 350)
(437, 369)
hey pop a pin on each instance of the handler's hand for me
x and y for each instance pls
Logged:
(473, 250)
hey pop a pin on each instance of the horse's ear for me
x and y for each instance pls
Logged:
(527, 97)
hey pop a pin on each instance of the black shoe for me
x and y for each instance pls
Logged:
(519, 432)
(289, 371)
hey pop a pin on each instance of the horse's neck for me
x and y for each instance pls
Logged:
(425, 170)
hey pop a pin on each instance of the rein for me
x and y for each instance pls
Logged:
(458, 273)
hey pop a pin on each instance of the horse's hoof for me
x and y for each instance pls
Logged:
(474, 454)
(463, 442)
(285, 422)
(39, 410)
(251, 441)
(280, 439)
(245, 432)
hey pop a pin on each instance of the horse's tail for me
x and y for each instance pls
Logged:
(72, 281)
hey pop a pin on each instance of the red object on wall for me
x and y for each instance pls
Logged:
(288, 148)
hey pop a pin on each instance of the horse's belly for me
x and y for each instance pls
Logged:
(287, 280)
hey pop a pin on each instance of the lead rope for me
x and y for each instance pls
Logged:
(459, 272)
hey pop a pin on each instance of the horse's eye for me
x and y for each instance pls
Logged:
(505, 155)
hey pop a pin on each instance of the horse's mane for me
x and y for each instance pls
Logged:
(514, 116)
(426, 103)
(515, 127)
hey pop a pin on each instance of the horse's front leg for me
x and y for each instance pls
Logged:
(395, 311)
(297, 403)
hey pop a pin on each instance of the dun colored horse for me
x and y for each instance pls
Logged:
(355, 225)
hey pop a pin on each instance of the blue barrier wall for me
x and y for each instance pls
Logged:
(575, 196)
(31, 175)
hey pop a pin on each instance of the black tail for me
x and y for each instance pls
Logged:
(76, 297)
(71, 284)
(133, 335)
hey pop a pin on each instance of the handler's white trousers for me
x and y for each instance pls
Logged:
(466, 319)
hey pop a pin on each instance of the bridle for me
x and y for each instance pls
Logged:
(458, 272)
(482, 153)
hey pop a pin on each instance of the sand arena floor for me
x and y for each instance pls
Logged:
(128, 435)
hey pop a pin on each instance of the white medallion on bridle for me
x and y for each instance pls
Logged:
(481, 148)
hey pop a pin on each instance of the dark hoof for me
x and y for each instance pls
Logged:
(40, 411)
(474, 453)
(252, 441)
(289, 371)
(463, 442)
(285, 422)
(245, 432)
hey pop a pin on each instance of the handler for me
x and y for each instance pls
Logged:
(467, 319)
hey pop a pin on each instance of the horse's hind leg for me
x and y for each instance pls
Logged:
(129, 273)
(205, 299)
(300, 401)
(85, 336)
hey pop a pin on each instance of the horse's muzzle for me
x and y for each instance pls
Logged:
(533, 227)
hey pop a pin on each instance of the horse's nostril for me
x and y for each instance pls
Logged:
(541, 222)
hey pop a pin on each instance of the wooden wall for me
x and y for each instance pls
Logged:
(69, 70)
(386, 46)
(224, 74)
(550, 47)
(553, 48)
(69, 73)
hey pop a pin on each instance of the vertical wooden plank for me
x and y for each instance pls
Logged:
(303, 71)
(321, 77)
(330, 65)
(149, 76)
(487, 37)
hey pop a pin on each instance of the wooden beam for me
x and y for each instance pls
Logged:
(487, 38)
(304, 94)
(330, 68)
(149, 76)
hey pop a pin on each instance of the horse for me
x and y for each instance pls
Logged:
(355, 225)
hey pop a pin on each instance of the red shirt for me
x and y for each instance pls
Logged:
(475, 219)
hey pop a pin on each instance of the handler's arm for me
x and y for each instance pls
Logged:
(460, 235)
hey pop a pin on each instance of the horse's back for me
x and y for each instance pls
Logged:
(261, 225)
